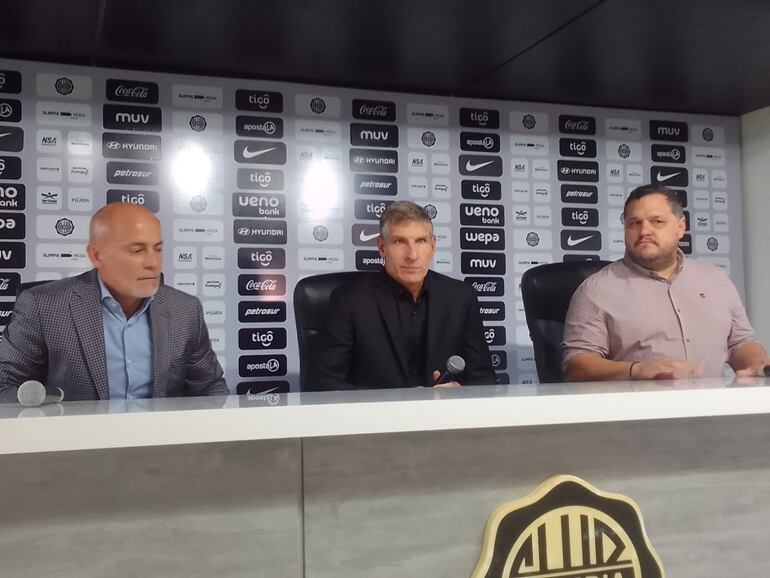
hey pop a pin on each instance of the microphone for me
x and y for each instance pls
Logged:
(455, 365)
(32, 393)
(766, 371)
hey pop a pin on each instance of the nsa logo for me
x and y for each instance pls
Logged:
(567, 528)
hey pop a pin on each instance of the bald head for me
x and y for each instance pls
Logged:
(125, 246)
(118, 217)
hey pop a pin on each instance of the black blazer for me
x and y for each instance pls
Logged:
(362, 346)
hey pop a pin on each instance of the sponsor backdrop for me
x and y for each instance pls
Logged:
(260, 183)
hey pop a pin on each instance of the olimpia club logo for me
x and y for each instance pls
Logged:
(567, 528)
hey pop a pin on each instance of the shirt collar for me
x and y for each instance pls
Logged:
(649, 273)
(107, 298)
(399, 290)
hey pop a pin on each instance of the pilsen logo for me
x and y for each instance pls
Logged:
(567, 528)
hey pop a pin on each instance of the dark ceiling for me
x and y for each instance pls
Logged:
(703, 56)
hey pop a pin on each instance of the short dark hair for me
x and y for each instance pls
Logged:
(401, 211)
(656, 189)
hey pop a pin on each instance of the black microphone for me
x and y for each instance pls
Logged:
(32, 393)
(455, 365)
(766, 371)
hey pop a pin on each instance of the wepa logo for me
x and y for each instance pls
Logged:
(483, 238)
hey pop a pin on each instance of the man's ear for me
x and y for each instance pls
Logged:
(381, 247)
(93, 255)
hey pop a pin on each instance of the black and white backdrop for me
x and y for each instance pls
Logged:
(259, 183)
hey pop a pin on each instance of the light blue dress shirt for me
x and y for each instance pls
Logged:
(128, 346)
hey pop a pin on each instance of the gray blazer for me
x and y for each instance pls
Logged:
(56, 335)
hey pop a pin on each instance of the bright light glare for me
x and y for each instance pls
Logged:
(320, 190)
(191, 169)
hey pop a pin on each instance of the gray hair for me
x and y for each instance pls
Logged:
(401, 211)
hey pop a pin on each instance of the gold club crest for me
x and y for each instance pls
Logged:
(566, 528)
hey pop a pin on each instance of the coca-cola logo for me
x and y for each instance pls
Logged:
(266, 285)
(132, 91)
(261, 285)
(487, 286)
(374, 110)
(577, 124)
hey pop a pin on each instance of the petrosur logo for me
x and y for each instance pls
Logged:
(567, 528)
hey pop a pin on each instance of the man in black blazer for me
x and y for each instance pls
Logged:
(398, 327)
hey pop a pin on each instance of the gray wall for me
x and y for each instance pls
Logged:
(755, 145)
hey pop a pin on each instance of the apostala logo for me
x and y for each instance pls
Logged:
(64, 86)
(567, 528)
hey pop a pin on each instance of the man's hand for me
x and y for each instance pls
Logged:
(664, 368)
(437, 374)
(751, 372)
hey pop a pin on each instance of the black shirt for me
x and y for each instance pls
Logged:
(414, 327)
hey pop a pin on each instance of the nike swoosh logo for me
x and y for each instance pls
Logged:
(247, 154)
(364, 237)
(470, 167)
(4, 134)
(662, 178)
(267, 391)
(572, 242)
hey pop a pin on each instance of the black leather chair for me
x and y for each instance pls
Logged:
(546, 291)
(311, 305)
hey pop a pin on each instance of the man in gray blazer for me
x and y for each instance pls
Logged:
(113, 332)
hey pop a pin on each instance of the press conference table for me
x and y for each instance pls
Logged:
(374, 483)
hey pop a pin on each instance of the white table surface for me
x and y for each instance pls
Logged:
(116, 424)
